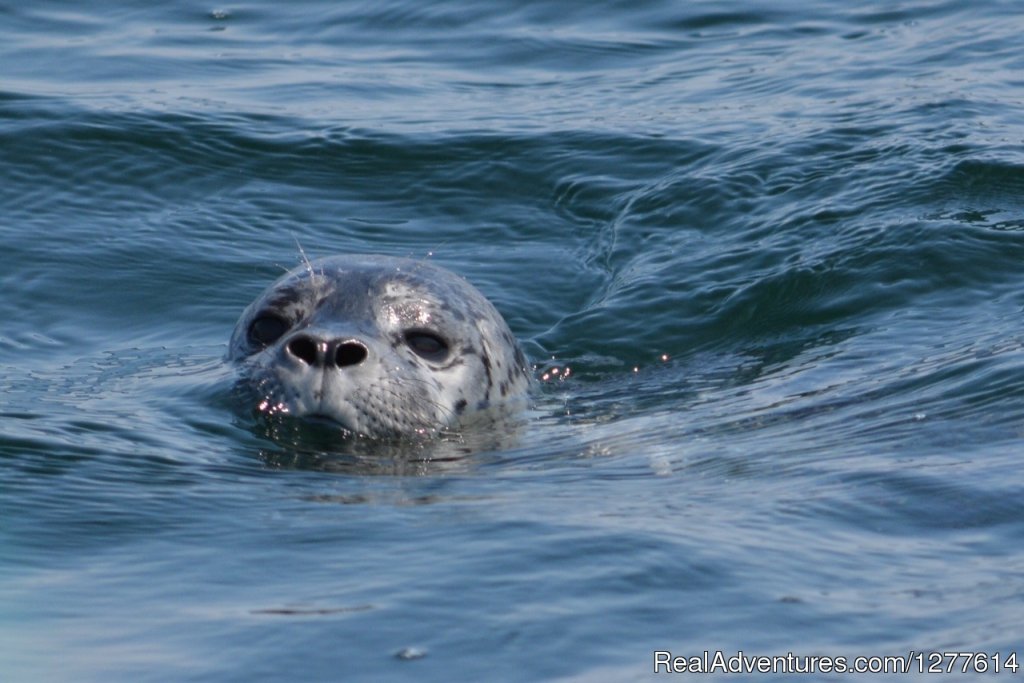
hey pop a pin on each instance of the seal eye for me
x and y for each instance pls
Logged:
(427, 345)
(267, 329)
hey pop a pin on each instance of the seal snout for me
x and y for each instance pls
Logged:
(317, 351)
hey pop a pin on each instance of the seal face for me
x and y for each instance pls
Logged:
(381, 346)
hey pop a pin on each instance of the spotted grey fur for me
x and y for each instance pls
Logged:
(381, 346)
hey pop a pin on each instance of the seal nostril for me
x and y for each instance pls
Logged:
(304, 349)
(349, 353)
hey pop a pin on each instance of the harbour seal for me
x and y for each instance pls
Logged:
(381, 346)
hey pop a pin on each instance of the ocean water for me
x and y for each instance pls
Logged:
(767, 257)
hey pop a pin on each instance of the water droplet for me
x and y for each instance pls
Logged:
(410, 653)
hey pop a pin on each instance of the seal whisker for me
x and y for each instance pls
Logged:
(447, 412)
(302, 253)
(429, 254)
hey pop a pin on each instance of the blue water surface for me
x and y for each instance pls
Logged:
(765, 256)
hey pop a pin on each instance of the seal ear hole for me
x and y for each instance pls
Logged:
(427, 345)
(267, 329)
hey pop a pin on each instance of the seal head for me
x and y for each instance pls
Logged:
(381, 346)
